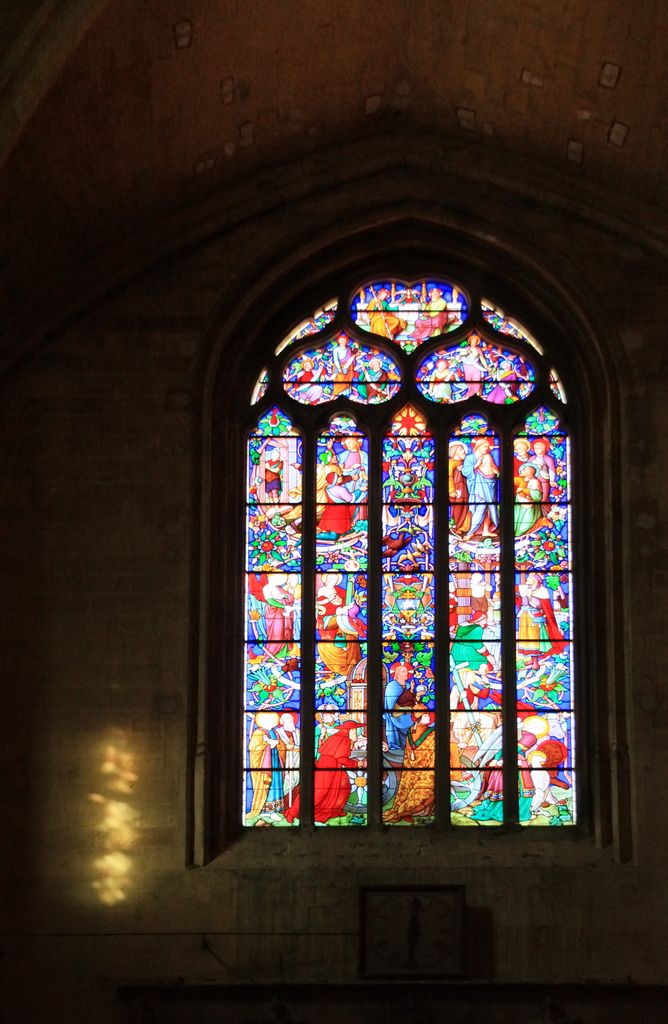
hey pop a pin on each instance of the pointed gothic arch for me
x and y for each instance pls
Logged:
(497, 327)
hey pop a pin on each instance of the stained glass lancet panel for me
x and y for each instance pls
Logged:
(473, 368)
(409, 717)
(544, 633)
(409, 313)
(340, 775)
(272, 622)
(476, 705)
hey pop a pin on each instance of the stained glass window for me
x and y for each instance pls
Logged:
(391, 469)
(406, 313)
(314, 323)
(273, 619)
(474, 367)
(497, 319)
(408, 623)
(342, 368)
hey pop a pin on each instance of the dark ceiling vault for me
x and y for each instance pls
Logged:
(116, 117)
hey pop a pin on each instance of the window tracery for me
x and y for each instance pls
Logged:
(392, 470)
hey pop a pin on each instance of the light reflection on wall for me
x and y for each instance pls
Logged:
(113, 869)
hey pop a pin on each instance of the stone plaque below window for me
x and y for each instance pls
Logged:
(412, 931)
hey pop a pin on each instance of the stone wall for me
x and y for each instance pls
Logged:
(106, 451)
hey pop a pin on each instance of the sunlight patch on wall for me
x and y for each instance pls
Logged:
(118, 822)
